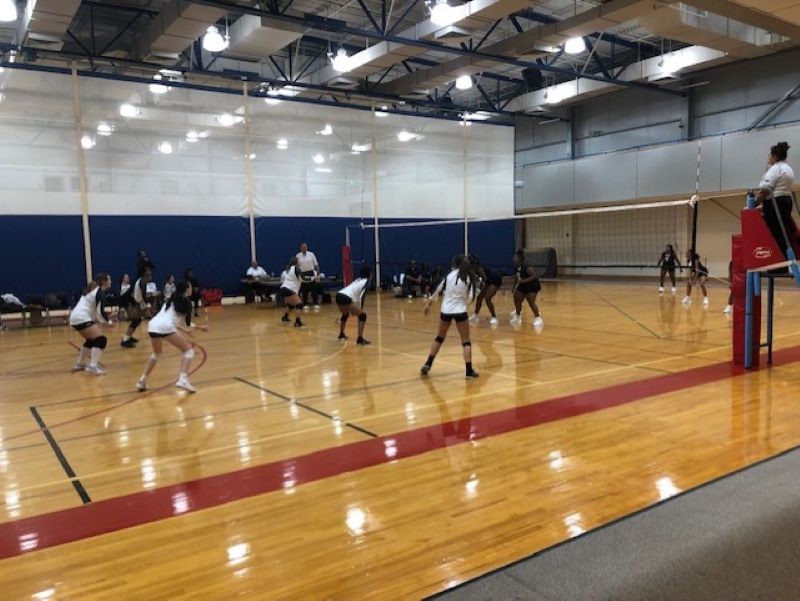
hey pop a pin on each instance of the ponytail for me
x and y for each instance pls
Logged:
(96, 282)
(465, 272)
(179, 300)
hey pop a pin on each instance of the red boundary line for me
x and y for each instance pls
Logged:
(144, 507)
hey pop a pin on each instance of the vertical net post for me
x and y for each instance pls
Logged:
(465, 207)
(376, 233)
(249, 173)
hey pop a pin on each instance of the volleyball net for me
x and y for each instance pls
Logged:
(624, 240)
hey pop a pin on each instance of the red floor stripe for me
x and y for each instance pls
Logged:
(110, 515)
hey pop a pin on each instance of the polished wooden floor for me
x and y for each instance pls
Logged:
(488, 481)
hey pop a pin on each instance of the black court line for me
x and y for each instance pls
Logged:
(616, 308)
(615, 522)
(73, 478)
(304, 406)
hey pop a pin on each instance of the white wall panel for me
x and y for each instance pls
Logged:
(605, 178)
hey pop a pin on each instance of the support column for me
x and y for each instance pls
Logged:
(248, 154)
(465, 190)
(84, 188)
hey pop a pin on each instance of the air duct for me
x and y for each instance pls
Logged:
(175, 28)
(253, 38)
(45, 22)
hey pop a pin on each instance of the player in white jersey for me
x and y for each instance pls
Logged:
(291, 280)
(85, 318)
(350, 301)
(167, 325)
(459, 288)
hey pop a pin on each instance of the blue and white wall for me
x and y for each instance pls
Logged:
(190, 208)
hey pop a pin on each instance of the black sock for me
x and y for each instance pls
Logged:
(429, 362)
(469, 367)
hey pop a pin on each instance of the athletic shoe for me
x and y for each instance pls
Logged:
(285, 319)
(686, 300)
(306, 308)
(134, 340)
(129, 343)
(342, 337)
(410, 296)
(538, 322)
(512, 314)
(493, 321)
(363, 341)
(425, 369)
(516, 320)
(674, 290)
(474, 318)
(96, 370)
(727, 310)
(661, 289)
(705, 301)
(79, 367)
(184, 383)
(141, 384)
(472, 374)
(299, 324)
(317, 307)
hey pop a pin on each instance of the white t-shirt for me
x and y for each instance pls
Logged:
(779, 179)
(307, 262)
(356, 290)
(290, 280)
(88, 309)
(165, 321)
(137, 294)
(256, 272)
(457, 294)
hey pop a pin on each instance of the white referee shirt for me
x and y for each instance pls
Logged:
(356, 290)
(307, 261)
(779, 179)
(256, 272)
(457, 294)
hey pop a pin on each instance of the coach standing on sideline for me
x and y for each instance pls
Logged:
(309, 269)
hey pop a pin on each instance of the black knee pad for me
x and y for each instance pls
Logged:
(466, 344)
(345, 317)
(100, 342)
(439, 339)
(88, 343)
(136, 322)
(362, 318)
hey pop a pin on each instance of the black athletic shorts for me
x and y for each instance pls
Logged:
(285, 292)
(343, 300)
(83, 326)
(496, 280)
(668, 268)
(533, 287)
(456, 317)
(156, 335)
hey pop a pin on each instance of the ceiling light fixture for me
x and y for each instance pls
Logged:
(382, 112)
(464, 82)
(128, 111)
(272, 101)
(318, 159)
(87, 142)
(158, 88)
(326, 131)
(282, 144)
(442, 13)
(192, 137)
(8, 11)
(165, 147)
(575, 45)
(213, 40)
(323, 170)
(406, 136)
(104, 129)
(341, 63)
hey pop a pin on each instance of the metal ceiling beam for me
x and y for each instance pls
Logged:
(229, 75)
(341, 28)
(120, 7)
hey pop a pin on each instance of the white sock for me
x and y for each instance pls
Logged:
(96, 352)
(183, 376)
(82, 354)
(125, 338)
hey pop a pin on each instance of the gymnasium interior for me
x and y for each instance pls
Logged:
(629, 437)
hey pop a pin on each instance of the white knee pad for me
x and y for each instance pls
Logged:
(189, 354)
(155, 357)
